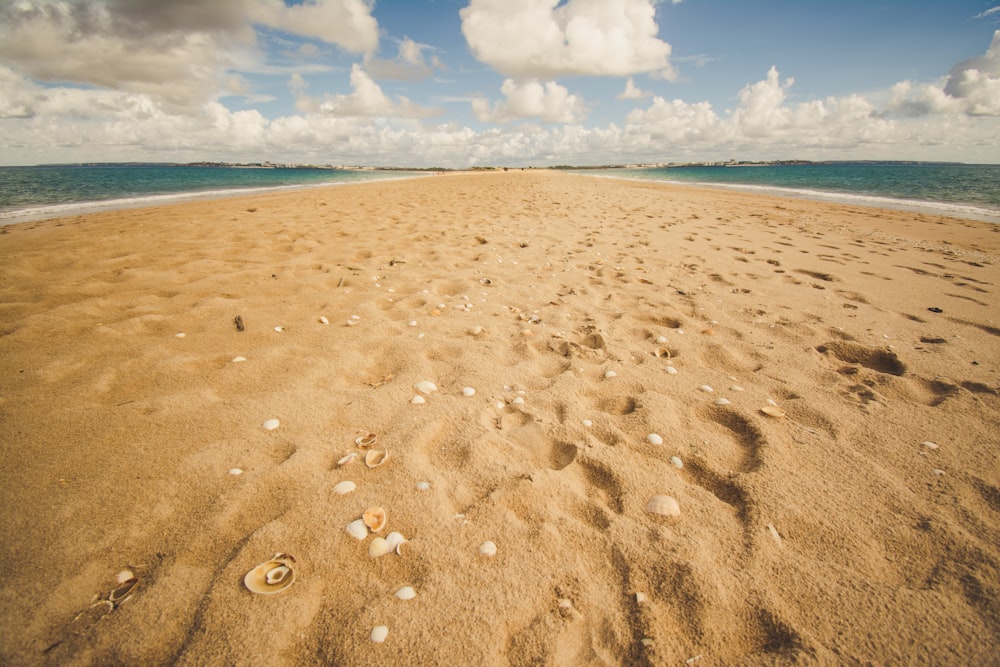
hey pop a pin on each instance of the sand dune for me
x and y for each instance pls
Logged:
(587, 314)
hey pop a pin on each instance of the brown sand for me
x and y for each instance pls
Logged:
(118, 436)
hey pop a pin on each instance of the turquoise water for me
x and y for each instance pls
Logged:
(33, 193)
(961, 190)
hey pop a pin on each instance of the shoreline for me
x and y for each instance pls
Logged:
(815, 386)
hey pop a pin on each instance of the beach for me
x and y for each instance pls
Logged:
(822, 380)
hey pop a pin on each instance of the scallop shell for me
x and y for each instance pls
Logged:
(378, 547)
(375, 518)
(366, 440)
(271, 576)
(379, 633)
(773, 411)
(357, 529)
(663, 505)
(406, 593)
(376, 457)
(340, 488)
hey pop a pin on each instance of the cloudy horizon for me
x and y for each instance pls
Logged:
(497, 82)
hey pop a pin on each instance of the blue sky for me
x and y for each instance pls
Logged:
(464, 82)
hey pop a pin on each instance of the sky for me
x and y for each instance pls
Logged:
(462, 83)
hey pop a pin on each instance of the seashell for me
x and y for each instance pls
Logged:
(475, 331)
(736, 388)
(423, 486)
(468, 391)
(771, 402)
(661, 353)
(774, 533)
(376, 457)
(180, 335)
(378, 548)
(676, 462)
(357, 529)
(366, 440)
(722, 401)
(671, 370)
(610, 374)
(271, 576)
(929, 445)
(395, 541)
(661, 340)
(488, 549)
(347, 458)
(271, 424)
(237, 360)
(425, 386)
(374, 518)
(340, 488)
(279, 329)
(654, 439)
(124, 576)
(640, 597)
(705, 388)
(518, 401)
(235, 471)
(351, 323)
(323, 320)
(417, 400)
(773, 411)
(937, 471)
(406, 593)
(663, 505)
(124, 589)
(485, 281)
(379, 633)
(588, 423)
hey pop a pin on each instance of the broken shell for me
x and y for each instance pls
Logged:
(772, 411)
(663, 505)
(488, 548)
(271, 424)
(357, 529)
(124, 576)
(272, 576)
(654, 439)
(347, 458)
(376, 457)
(395, 541)
(344, 487)
(378, 547)
(406, 593)
(425, 386)
(379, 633)
(375, 518)
(366, 440)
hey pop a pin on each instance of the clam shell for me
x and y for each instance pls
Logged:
(773, 411)
(663, 505)
(378, 547)
(705, 388)
(376, 457)
(340, 488)
(676, 462)
(417, 400)
(395, 541)
(654, 439)
(366, 440)
(123, 589)
(379, 633)
(271, 576)
(375, 518)
(357, 529)
(406, 593)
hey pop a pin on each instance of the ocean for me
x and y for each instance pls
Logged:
(959, 190)
(50, 191)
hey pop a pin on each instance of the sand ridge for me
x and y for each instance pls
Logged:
(831, 535)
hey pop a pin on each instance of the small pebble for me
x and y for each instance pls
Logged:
(413, 323)
(661, 340)
(640, 597)
(271, 424)
(488, 549)
(351, 323)
(654, 439)
(379, 633)
(518, 401)
(736, 388)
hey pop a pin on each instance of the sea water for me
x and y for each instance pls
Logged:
(959, 190)
(35, 193)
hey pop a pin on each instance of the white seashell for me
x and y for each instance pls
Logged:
(676, 461)
(663, 505)
(423, 486)
(518, 401)
(588, 423)
(771, 402)
(351, 323)
(395, 541)
(180, 335)
(929, 445)
(736, 388)
(237, 360)
(279, 329)
(468, 391)
(355, 317)
(661, 340)
(488, 549)
(357, 529)
(235, 471)
(417, 400)
(722, 401)
(425, 386)
(124, 576)
(610, 374)
(937, 471)
(272, 576)
(323, 320)
(340, 488)
(347, 458)
(271, 424)
(774, 533)
(406, 593)
(378, 548)
(412, 323)
(379, 633)
(475, 331)
(705, 388)
(366, 440)
(654, 439)
(375, 457)
(772, 411)
(640, 597)
(671, 370)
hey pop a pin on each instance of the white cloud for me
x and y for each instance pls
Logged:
(346, 23)
(538, 39)
(548, 102)
(409, 63)
(977, 81)
(631, 92)
(366, 99)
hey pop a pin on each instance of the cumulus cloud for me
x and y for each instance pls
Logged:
(631, 92)
(177, 52)
(548, 102)
(977, 81)
(366, 99)
(536, 39)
